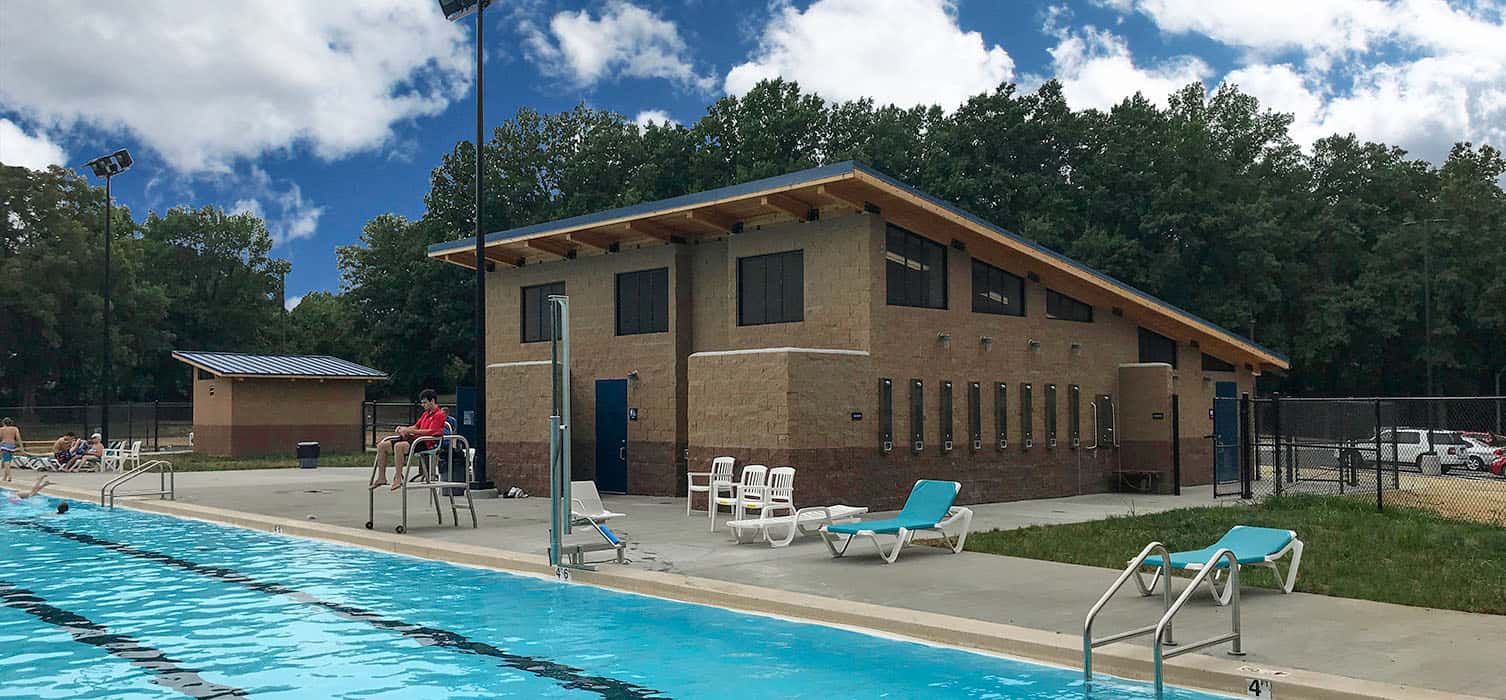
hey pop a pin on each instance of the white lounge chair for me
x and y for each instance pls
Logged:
(780, 530)
(929, 508)
(750, 483)
(721, 472)
(585, 503)
(1252, 546)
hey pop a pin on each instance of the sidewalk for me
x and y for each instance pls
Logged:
(1442, 650)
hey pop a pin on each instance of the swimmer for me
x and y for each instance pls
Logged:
(42, 482)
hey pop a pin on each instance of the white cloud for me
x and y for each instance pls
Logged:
(653, 116)
(1098, 71)
(626, 41)
(904, 52)
(204, 84)
(1421, 74)
(290, 218)
(292, 302)
(28, 151)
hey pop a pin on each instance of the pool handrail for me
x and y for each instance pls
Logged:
(167, 483)
(1164, 575)
(1234, 636)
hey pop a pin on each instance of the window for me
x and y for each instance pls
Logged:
(1155, 347)
(1213, 364)
(771, 288)
(996, 291)
(535, 315)
(916, 270)
(1408, 437)
(1064, 308)
(204, 375)
(643, 302)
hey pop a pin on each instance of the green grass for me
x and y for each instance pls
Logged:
(1404, 555)
(210, 463)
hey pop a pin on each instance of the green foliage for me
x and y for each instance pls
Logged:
(1205, 203)
(1351, 550)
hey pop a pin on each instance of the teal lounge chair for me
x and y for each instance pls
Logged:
(929, 508)
(1252, 546)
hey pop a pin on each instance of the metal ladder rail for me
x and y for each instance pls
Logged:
(1233, 636)
(167, 483)
(1163, 575)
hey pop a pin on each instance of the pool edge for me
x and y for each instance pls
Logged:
(1193, 671)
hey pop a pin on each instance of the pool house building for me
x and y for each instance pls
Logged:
(844, 323)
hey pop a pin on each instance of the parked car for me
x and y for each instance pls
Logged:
(1408, 445)
(1481, 450)
(1498, 467)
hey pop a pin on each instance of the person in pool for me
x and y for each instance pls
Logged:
(10, 444)
(42, 482)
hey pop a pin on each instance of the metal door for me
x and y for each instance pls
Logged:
(1226, 478)
(611, 435)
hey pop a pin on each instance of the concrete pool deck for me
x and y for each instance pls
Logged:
(1021, 607)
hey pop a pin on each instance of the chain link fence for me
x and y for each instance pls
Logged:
(378, 418)
(1443, 454)
(159, 425)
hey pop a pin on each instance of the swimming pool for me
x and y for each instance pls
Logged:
(124, 604)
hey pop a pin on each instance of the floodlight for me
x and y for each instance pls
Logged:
(455, 9)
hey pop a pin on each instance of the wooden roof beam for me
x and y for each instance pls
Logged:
(654, 229)
(711, 221)
(505, 256)
(788, 204)
(843, 193)
(553, 246)
(596, 239)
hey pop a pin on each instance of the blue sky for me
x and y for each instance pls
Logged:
(320, 116)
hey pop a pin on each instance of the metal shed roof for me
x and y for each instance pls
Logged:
(239, 364)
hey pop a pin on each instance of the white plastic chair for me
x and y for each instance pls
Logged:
(721, 472)
(751, 483)
(778, 493)
(586, 505)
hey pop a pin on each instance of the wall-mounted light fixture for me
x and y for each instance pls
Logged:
(945, 338)
(1076, 348)
(987, 341)
(633, 375)
(1033, 344)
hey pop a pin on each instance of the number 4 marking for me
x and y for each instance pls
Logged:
(1259, 688)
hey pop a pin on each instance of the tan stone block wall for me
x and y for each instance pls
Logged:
(597, 352)
(211, 401)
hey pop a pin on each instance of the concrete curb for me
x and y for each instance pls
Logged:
(1197, 671)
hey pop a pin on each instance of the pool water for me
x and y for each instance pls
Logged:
(123, 604)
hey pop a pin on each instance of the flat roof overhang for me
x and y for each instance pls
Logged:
(849, 186)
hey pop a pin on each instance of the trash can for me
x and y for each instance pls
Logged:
(1432, 465)
(308, 455)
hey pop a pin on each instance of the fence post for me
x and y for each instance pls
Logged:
(1276, 475)
(1380, 487)
(156, 426)
(130, 425)
(1176, 446)
(1246, 449)
(1395, 458)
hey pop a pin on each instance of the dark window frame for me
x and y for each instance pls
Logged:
(788, 294)
(1062, 302)
(544, 291)
(1151, 346)
(1214, 364)
(914, 248)
(645, 281)
(991, 274)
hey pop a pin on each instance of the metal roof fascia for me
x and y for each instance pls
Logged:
(1062, 258)
(744, 189)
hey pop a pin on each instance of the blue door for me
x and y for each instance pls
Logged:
(1225, 435)
(611, 435)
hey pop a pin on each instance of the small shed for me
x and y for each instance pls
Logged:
(265, 404)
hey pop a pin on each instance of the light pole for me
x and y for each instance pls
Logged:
(454, 10)
(108, 167)
(1427, 292)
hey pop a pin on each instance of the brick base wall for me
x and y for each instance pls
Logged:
(862, 476)
(653, 469)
